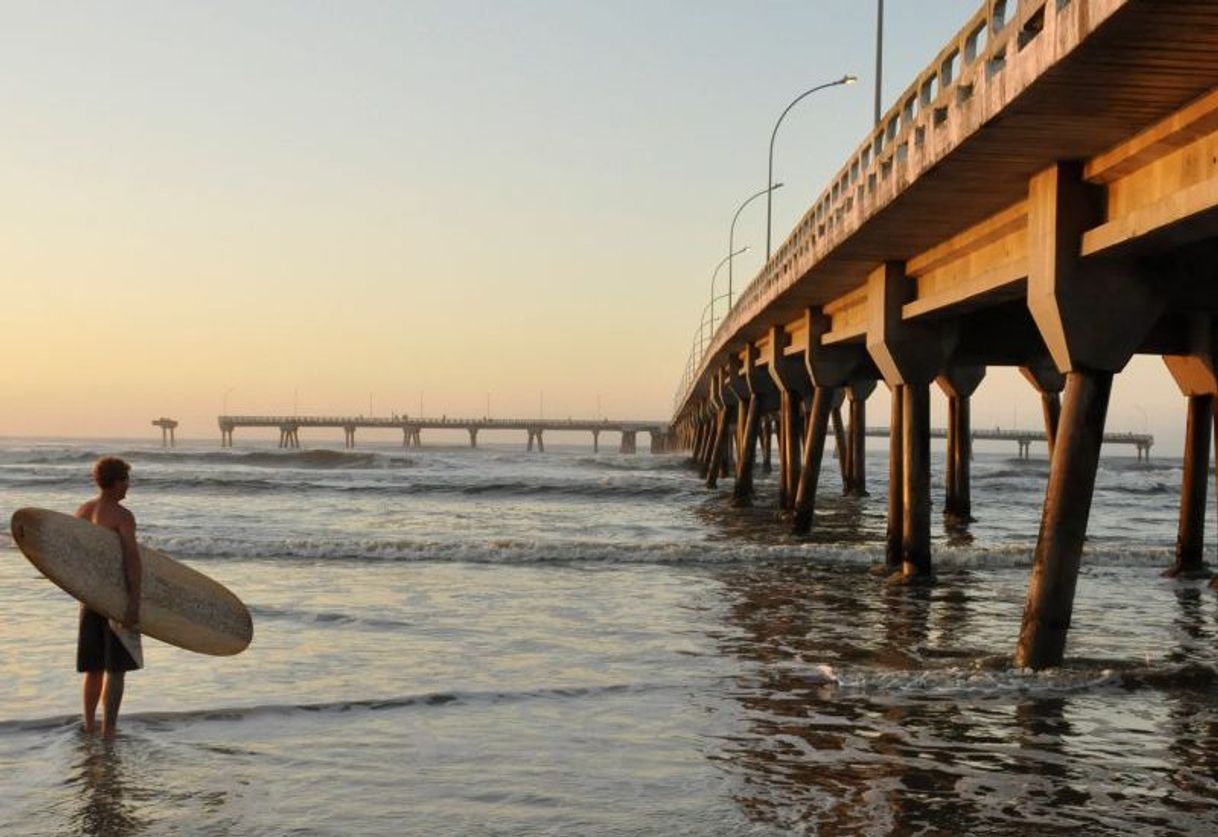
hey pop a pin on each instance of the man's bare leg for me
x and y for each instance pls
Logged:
(91, 691)
(113, 699)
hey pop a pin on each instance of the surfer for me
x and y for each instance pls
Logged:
(100, 655)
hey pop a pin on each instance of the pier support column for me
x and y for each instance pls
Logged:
(1197, 376)
(814, 448)
(473, 437)
(909, 355)
(1047, 381)
(841, 445)
(757, 395)
(790, 442)
(714, 421)
(767, 441)
(857, 393)
(628, 444)
(1092, 315)
(792, 382)
(731, 400)
(349, 437)
(596, 441)
(1190, 538)
(535, 435)
(829, 368)
(915, 494)
(959, 383)
(716, 448)
(742, 492)
(896, 480)
(1063, 527)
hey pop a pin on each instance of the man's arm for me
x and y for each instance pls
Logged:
(132, 569)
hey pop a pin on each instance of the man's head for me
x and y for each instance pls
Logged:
(110, 473)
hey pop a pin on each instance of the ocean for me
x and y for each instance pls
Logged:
(494, 642)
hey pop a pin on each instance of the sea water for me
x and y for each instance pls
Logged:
(497, 642)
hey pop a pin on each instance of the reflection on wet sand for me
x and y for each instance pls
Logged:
(104, 804)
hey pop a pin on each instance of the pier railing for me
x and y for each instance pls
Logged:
(947, 102)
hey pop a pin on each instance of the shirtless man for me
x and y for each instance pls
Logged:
(100, 655)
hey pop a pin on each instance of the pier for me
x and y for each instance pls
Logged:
(1043, 196)
(168, 427)
(662, 438)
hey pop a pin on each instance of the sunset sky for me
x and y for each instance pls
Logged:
(349, 207)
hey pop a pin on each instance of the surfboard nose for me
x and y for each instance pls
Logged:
(22, 521)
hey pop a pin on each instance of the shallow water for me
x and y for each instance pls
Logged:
(493, 642)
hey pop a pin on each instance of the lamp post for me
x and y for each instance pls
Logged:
(731, 236)
(769, 202)
(879, 56)
(714, 275)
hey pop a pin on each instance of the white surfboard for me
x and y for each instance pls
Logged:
(178, 605)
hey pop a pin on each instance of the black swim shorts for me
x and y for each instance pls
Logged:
(97, 648)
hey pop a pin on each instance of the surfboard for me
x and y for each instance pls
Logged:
(178, 605)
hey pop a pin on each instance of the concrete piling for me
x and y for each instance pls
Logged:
(717, 453)
(1190, 537)
(742, 492)
(841, 446)
(959, 383)
(814, 447)
(896, 480)
(1063, 528)
(915, 494)
(857, 393)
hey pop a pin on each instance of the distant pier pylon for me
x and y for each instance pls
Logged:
(167, 426)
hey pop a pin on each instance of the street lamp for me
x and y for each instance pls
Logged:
(879, 56)
(731, 236)
(714, 275)
(769, 202)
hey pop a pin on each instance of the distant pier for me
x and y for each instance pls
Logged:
(168, 426)
(662, 436)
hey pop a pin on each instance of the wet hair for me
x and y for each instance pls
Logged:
(108, 470)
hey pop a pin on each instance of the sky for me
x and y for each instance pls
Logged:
(372, 207)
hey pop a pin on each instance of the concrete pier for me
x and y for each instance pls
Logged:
(984, 222)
